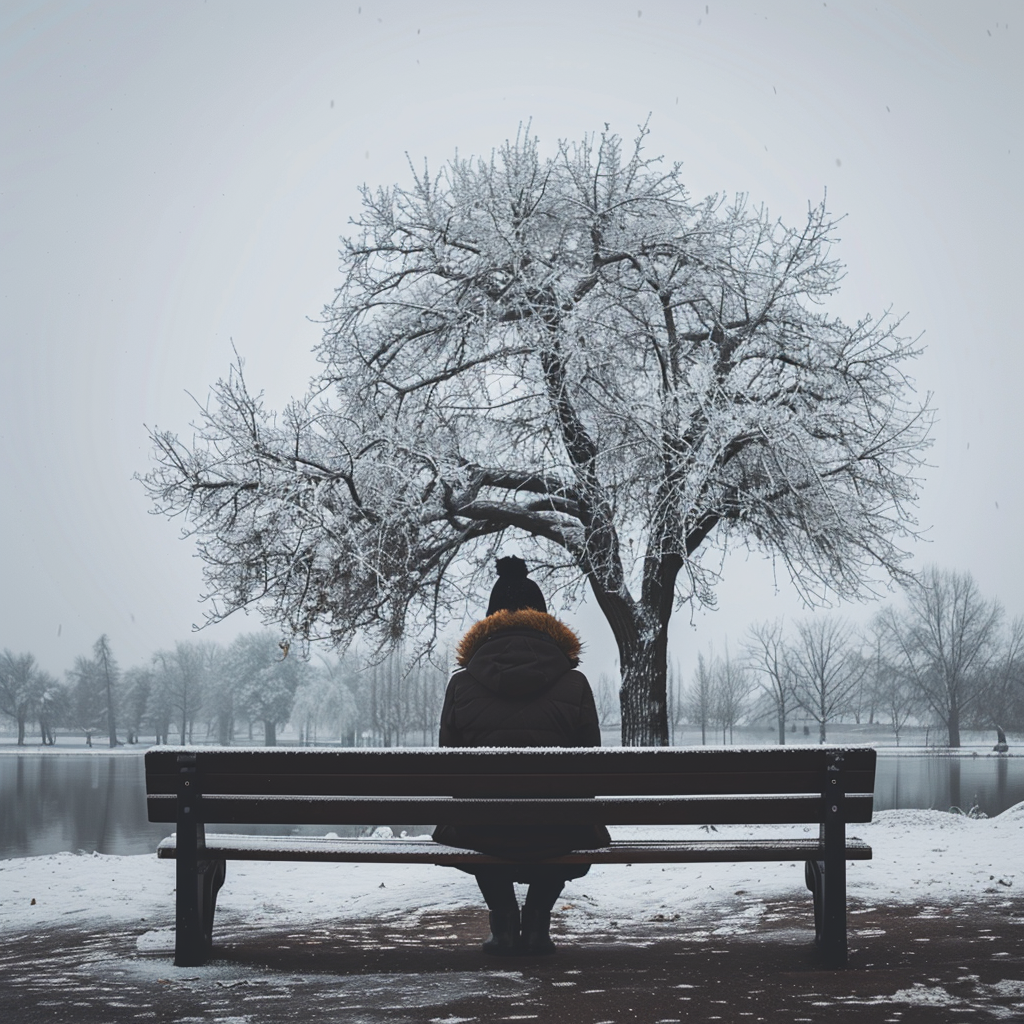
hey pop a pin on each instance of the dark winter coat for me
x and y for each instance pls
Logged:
(519, 687)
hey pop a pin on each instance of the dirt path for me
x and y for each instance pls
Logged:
(907, 965)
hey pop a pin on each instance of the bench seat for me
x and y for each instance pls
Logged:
(426, 851)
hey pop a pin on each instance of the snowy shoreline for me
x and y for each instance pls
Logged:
(920, 856)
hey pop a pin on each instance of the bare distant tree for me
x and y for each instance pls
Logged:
(944, 640)
(676, 691)
(900, 700)
(89, 698)
(183, 675)
(137, 688)
(52, 706)
(827, 668)
(324, 706)
(892, 687)
(343, 706)
(1004, 681)
(572, 352)
(427, 682)
(264, 681)
(701, 696)
(108, 671)
(220, 698)
(606, 698)
(765, 655)
(732, 687)
(159, 711)
(390, 681)
(17, 689)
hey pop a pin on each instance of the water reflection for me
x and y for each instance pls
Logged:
(941, 782)
(51, 803)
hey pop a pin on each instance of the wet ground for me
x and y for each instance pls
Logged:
(907, 965)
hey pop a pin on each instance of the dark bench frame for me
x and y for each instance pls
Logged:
(193, 787)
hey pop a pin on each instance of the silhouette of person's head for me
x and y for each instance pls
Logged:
(514, 590)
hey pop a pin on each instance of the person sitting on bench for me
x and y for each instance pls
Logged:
(518, 686)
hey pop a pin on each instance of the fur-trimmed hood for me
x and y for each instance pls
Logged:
(524, 618)
(518, 654)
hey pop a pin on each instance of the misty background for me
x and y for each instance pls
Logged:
(174, 178)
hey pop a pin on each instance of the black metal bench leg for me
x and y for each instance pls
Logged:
(832, 871)
(829, 889)
(189, 941)
(833, 911)
(198, 878)
(196, 904)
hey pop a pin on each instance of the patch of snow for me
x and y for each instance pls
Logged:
(926, 857)
(922, 995)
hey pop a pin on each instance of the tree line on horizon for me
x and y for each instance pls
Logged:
(203, 692)
(946, 657)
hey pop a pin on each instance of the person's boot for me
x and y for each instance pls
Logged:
(536, 937)
(504, 937)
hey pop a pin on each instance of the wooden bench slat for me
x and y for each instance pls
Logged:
(429, 761)
(415, 851)
(345, 810)
(514, 784)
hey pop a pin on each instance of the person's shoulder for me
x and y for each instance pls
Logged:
(462, 681)
(578, 676)
(573, 682)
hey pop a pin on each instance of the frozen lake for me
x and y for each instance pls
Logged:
(55, 802)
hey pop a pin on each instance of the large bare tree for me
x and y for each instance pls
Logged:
(571, 352)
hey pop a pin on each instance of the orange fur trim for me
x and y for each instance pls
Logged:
(529, 618)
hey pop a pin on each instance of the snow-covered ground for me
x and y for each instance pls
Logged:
(929, 857)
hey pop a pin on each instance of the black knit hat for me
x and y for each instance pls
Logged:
(513, 590)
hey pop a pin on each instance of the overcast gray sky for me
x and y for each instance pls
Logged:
(175, 175)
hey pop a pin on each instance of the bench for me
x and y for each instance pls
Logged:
(194, 787)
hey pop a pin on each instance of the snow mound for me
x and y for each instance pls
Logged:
(907, 819)
(1011, 815)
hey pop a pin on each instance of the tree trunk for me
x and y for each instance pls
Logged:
(21, 731)
(111, 724)
(644, 692)
(953, 723)
(782, 726)
(269, 733)
(641, 635)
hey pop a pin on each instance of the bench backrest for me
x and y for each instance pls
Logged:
(511, 786)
